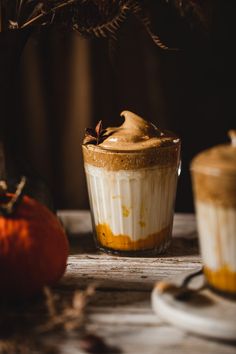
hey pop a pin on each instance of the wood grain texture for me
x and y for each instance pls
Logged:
(120, 311)
(113, 272)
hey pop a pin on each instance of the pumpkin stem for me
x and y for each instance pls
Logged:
(3, 187)
(8, 208)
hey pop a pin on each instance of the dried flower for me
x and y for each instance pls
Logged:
(71, 317)
(95, 136)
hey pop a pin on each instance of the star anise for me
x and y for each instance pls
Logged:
(95, 136)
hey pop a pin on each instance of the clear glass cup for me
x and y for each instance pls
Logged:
(214, 184)
(132, 197)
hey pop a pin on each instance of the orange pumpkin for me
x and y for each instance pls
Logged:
(33, 249)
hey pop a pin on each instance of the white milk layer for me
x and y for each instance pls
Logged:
(133, 203)
(217, 231)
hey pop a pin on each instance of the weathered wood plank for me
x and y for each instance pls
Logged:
(157, 338)
(130, 274)
(120, 311)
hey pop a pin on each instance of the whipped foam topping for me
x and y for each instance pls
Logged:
(135, 134)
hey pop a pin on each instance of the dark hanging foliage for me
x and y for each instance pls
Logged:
(100, 18)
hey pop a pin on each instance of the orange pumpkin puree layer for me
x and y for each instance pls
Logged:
(124, 243)
(223, 279)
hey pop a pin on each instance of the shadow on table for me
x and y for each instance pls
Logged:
(82, 243)
(180, 246)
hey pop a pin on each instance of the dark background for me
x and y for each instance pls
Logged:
(66, 83)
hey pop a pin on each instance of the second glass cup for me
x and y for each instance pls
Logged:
(214, 184)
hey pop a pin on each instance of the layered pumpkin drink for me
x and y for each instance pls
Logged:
(214, 183)
(131, 174)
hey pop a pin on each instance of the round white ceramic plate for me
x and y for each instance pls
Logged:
(201, 312)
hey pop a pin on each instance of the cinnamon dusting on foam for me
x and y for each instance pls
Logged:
(219, 191)
(136, 144)
(214, 174)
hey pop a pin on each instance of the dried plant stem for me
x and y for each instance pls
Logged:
(105, 20)
(70, 317)
(50, 302)
(19, 335)
(8, 208)
(18, 193)
(47, 13)
(138, 12)
(109, 27)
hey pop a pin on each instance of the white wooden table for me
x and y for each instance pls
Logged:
(121, 311)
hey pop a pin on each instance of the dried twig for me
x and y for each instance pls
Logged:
(8, 208)
(109, 27)
(137, 10)
(70, 317)
(18, 336)
(50, 11)
(3, 187)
